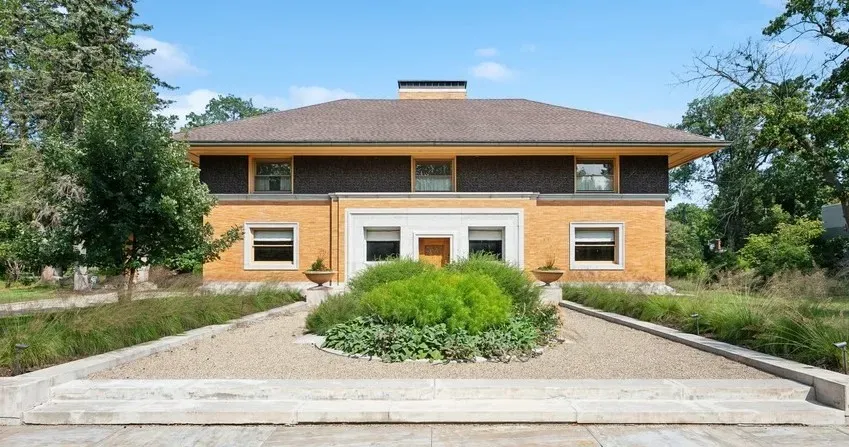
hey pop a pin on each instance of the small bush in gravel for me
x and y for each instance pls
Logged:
(510, 279)
(472, 302)
(518, 338)
(385, 272)
(334, 310)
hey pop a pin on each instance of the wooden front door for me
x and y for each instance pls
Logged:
(435, 250)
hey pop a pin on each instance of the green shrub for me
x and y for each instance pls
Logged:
(511, 280)
(332, 311)
(790, 247)
(471, 301)
(517, 338)
(686, 268)
(385, 272)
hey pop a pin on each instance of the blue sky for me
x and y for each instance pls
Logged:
(610, 56)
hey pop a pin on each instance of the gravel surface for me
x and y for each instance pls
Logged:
(597, 350)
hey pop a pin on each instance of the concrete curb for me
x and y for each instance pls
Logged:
(21, 393)
(830, 388)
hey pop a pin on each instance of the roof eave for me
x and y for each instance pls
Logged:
(716, 144)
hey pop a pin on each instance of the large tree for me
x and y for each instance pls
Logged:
(143, 201)
(225, 108)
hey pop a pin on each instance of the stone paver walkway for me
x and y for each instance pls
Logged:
(425, 435)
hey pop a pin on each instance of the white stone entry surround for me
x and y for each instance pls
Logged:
(416, 223)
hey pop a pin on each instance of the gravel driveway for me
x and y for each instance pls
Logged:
(597, 350)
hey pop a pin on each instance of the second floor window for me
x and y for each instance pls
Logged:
(433, 176)
(273, 176)
(594, 176)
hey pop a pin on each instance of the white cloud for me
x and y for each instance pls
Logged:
(492, 71)
(168, 60)
(528, 48)
(486, 52)
(196, 100)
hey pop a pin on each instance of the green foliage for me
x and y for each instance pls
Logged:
(334, 310)
(207, 249)
(799, 329)
(385, 272)
(135, 177)
(511, 280)
(370, 336)
(469, 301)
(318, 265)
(684, 251)
(789, 248)
(67, 335)
(223, 109)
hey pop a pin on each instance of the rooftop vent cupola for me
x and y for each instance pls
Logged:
(432, 89)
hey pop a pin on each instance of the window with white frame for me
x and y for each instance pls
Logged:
(382, 244)
(487, 241)
(596, 246)
(434, 176)
(271, 246)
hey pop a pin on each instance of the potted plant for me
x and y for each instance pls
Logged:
(547, 273)
(318, 272)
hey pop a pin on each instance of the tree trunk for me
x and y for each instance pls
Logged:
(129, 269)
(129, 285)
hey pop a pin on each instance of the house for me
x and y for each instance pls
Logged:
(436, 176)
(833, 221)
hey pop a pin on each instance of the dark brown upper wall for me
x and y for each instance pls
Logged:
(225, 174)
(543, 174)
(322, 175)
(644, 174)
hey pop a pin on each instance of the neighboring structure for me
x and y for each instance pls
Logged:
(435, 176)
(833, 221)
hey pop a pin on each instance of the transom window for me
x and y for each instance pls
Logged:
(273, 176)
(382, 244)
(487, 240)
(432, 176)
(597, 246)
(594, 176)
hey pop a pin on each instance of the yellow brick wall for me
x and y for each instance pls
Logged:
(546, 233)
(313, 220)
(432, 95)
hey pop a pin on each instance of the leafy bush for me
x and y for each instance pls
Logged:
(332, 311)
(790, 247)
(385, 272)
(471, 302)
(684, 251)
(686, 268)
(511, 280)
(371, 336)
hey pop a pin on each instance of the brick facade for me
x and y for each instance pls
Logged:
(546, 233)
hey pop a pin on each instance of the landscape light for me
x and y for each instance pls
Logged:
(696, 317)
(842, 346)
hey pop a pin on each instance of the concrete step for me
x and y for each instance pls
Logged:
(96, 412)
(428, 389)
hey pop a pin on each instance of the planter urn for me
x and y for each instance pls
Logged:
(320, 277)
(547, 276)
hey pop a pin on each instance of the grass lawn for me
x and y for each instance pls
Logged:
(26, 293)
(58, 337)
(801, 329)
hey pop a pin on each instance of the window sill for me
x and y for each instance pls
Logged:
(271, 266)
(576, 265)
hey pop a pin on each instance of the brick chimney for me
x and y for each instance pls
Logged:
(431, 89)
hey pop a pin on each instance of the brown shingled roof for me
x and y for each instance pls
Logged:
(433, 121)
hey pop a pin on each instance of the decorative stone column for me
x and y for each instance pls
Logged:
(550, 294)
